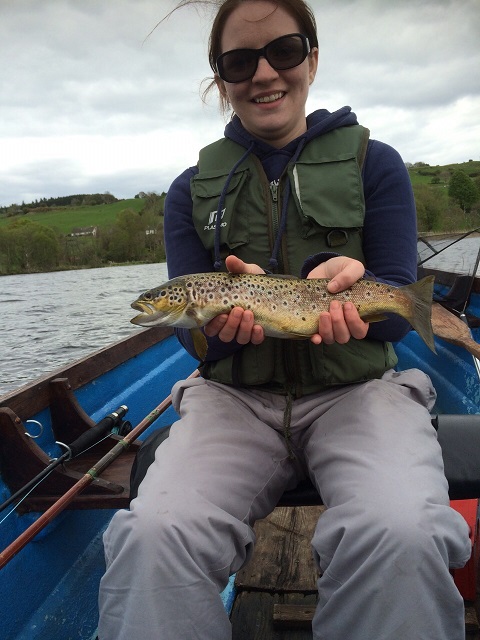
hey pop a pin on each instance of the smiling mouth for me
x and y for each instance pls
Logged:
(272, 98)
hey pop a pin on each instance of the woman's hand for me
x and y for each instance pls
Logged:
(341, 322)
(239, 324)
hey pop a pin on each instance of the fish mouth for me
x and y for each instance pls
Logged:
(144, 318)
(144, 307)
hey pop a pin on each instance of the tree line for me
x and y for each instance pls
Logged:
(77, 200)
(450, 201)
(27, 246)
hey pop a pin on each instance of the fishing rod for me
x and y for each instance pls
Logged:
(77, 447)
(60, 505)
(419, 264)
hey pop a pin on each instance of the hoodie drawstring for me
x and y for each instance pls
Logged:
(273, 262)
(218, 220)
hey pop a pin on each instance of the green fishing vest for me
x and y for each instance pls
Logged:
(326, 210)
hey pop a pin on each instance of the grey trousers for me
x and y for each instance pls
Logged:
(384, 544)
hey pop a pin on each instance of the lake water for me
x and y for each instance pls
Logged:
(51, 319)
(459, 257)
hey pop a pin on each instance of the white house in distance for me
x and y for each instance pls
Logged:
(83, 231)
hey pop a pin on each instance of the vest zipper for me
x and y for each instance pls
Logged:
(276, 210)
(275, 220)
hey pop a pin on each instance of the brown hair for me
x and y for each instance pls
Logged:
(298, 9)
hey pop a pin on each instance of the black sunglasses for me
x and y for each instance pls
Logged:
(282, 53)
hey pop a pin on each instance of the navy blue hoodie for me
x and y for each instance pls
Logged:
(389, 233)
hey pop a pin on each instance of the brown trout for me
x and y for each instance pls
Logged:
(286, 307)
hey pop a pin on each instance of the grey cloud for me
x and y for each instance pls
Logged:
(73, 68)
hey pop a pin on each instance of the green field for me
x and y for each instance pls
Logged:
(425, 175)
(64, 219)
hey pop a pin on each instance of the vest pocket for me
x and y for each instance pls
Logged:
(355, 361)
(328, 192)
(206, 189)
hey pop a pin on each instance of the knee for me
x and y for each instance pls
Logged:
(178, 530)
(149, 529)
(385, 533)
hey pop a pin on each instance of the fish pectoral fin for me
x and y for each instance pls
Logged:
(374, 317)
(199, 342)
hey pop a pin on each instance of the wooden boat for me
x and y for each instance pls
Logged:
(48, 585)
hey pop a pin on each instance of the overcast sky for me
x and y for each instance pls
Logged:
(88, 105)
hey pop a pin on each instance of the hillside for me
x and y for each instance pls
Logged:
(64, 219)
(425, 174)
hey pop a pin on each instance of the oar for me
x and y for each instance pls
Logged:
(57, 507)
(447, 326)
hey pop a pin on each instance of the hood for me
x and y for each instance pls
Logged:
(318, 123)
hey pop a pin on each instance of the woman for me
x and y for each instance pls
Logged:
(310, 196)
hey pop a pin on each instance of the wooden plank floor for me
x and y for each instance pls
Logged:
(281, 573)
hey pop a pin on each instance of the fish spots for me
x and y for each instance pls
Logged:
(174, 294)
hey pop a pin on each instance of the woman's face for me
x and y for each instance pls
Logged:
(271, 105)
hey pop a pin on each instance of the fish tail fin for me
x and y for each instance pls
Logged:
(420, 317)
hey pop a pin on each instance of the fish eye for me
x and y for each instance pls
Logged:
(147, 295)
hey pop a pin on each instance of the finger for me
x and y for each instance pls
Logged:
(325, 329)
(235, 265)
(353, 271)
(215, 325)
(244, 332)
(230, 328)
(357, 327)
(340, 329)
(258, 335)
